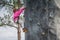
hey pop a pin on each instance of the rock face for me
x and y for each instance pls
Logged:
(57, 23)
(40, 20)
(57, 3)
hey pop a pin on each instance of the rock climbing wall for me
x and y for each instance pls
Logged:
(57, 23)
(39, 20)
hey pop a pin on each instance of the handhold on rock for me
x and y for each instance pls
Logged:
(43, 33)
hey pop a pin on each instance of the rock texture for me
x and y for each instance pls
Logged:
(57, 23)
(40, 20)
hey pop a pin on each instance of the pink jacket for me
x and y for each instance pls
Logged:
(17, 13)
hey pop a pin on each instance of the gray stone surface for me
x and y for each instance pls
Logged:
(39, 20)
(57, 23)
